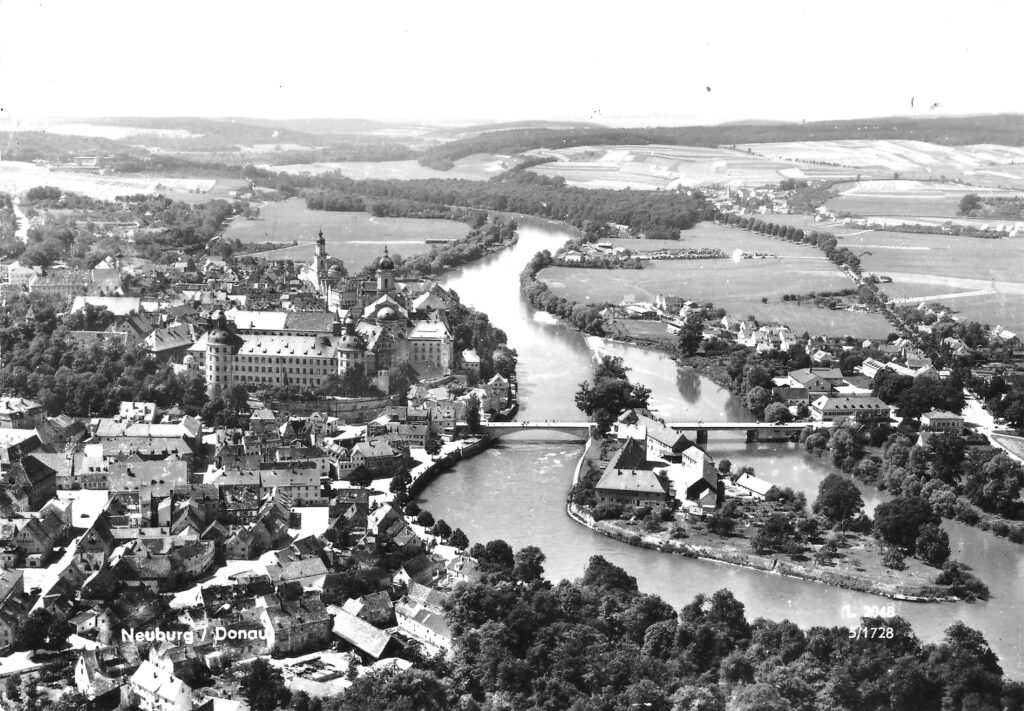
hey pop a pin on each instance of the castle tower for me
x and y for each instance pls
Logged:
(219, 357)
(385, 274)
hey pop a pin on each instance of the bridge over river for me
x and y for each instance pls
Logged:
(753, 430)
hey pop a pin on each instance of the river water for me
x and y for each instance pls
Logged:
(516, 491)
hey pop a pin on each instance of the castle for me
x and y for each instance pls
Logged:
(369, 325)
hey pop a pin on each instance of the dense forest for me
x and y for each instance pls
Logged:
(654, 214)
(599, 644)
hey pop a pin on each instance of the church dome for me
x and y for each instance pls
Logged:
(385, 263)
(335, 272)
(387, 314)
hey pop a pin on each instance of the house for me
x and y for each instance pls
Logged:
(754, 486)
(463, 569)
(817, 381)
(862, 409)
(420, 615)
(99, 671)
(636, 487)
(423, 569)
(942, 421)
(790, 396)
(19, 413)
(154, 689)
(375, 608)
(29, 483)
(663, 442)
(378, 457)
(360, 634)
(305, 571)
(295, 626)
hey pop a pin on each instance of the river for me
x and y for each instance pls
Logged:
(516, 491)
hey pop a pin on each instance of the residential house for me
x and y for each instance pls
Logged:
(375, 608)
(362, 635)
(636, 487)
(295, 626)
(754, 486)
(420, 614)
(942, 421)
(817, 381)
(154, 689)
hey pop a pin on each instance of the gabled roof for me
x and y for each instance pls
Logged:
(631, 481)
(360, 634)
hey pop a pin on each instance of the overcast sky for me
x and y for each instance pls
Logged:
(620, 62)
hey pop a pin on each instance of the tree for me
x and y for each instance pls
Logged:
(360, 476)
(71, 701)
(473, 413)
(838, 500)
(33, 630)
(777, 412)
(425, 518)
(458, 539)
(690, 336)
(433, 444)
(263, 686)
(969, 203)
(610, 394)
(898, 522)
(932, 545)
(757, 400)
(400, 486)
(529, 564)
(441, 529)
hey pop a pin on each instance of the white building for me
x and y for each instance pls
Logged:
(157, 690)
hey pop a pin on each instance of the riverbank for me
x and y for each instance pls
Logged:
(913, 591)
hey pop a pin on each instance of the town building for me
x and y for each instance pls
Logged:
(942, 421)
(861, 409)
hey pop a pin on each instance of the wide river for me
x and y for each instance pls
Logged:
(516, 491)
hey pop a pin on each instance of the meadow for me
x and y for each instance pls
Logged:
(475, 167)
(979, 278)
(876, 156)
(354, 237)
(17, 177)
(906, 198)
(737, 286)
(665, 167)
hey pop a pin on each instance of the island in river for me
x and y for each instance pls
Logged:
(804, 549)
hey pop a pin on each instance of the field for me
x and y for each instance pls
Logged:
(736, 286)
(666, 167)
(354, 237)
(17, 177)
(980, 278)
(476, 167)
(906, 198)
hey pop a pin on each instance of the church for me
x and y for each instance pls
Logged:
(369, 325)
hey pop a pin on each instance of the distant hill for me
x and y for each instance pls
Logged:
(477, 129)
(1003, 129)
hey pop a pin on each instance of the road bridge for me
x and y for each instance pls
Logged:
(700, 427)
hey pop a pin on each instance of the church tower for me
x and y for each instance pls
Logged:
(385, 274)
(320, 259)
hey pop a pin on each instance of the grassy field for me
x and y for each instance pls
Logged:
(475, 167)
(354, 237)
(980, 278)
(912, 157)
(736, 286)
(906, 197)
(665, 167)
(17, 177)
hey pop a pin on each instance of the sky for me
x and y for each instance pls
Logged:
(612, 62)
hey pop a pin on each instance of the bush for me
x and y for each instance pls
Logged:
(719, 524)
(892, 557)
(607, 510)
(961, 582)
(1000, 528)
(425, 518)
(641, 512)
(666, 514)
